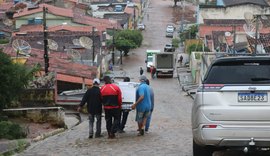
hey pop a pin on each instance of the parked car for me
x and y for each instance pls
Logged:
(170, 28)
(140, 26)
(169, 34)
(232, 106)
(169, 48)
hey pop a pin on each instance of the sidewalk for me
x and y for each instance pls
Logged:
(8, 147)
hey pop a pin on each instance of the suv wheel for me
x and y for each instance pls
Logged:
(201, 150)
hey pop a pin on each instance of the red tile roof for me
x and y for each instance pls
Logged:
(51, 9)
(99, 23)
(264, 39)
(68, 70)
(6, 6)
(129, 10)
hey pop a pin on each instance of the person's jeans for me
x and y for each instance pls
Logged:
(112, 117)
(123, 119)
(147, 125)
(91, 124)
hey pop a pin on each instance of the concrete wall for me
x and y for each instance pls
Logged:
(52, 115)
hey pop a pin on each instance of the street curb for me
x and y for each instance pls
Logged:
(46, 135)
(13, 146)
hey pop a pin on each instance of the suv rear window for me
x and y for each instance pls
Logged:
(239, 72)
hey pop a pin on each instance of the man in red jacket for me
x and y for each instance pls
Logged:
(112, 102)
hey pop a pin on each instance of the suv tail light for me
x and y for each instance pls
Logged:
(209, 126)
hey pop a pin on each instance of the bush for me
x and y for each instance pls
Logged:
(9, 130)
(4, 41)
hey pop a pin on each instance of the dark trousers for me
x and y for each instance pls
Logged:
(112, 117)
(123, 119)
(91, 124)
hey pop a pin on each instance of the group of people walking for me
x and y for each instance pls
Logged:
(109, 98)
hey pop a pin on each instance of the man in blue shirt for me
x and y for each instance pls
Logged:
(142, 104)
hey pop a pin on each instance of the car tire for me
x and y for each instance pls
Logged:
(201, 150)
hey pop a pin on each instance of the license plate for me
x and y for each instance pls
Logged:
(252, 97)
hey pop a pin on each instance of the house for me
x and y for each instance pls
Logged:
(54, 16)
(69, 75)
(126, 13)
(223, 26)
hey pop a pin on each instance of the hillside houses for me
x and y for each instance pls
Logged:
(223, 25)
(75, 61)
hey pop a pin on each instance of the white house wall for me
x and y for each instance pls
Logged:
(235, 12)
(52, 20)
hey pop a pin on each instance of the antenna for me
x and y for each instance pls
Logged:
(21, 47)
(52, 44)
(74, 54)
(86, 42)
(250, 26)
(8, 22)
(221, 39)
(249, 17)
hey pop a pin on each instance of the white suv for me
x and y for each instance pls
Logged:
(231, 109)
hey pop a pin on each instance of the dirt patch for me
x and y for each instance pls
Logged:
(34, 129)
(188, 13)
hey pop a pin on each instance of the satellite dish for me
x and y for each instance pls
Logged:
(250, 26)
(249, 18)
(76, 42)
(250, 30)
(8, 22)
(74, 54)
(21, 47)
(86, 42)
(228, 34)
(52, 44)
(221, 39)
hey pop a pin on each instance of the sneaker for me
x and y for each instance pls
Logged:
(121, 131)
(111, 136)
(141, 133)
(146, 131)
(90, 137)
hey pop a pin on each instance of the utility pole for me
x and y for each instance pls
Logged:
(45, 37)
(93, 46)
(256, 34)
(141, 3)
(134, 16)
(182, 16)
(234, 38)
(113, 47)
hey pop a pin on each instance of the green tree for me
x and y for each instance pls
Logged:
(196, 47)
(190, 33)
(127, 39)
(175, 42)
(14, 78)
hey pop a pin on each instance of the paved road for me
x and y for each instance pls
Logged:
(170, 132)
